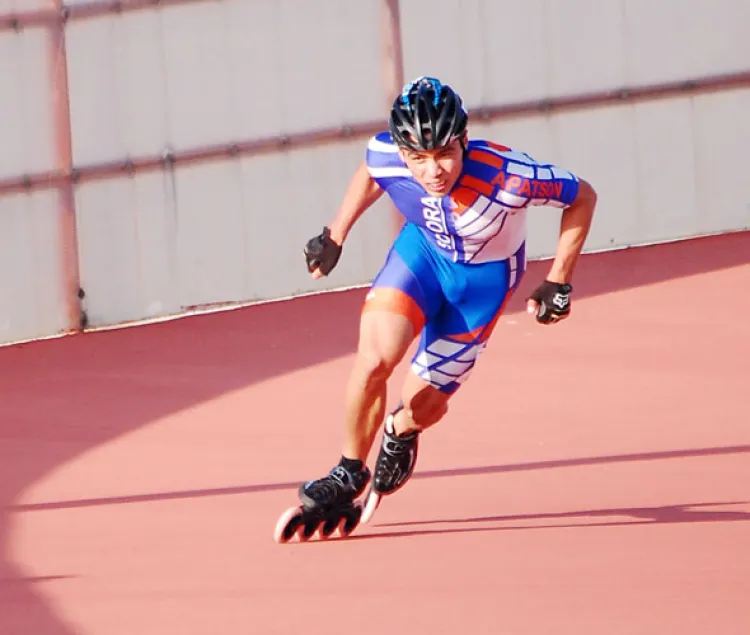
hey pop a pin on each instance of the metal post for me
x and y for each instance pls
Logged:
(393, 61)
(68, 234)
(393, 65)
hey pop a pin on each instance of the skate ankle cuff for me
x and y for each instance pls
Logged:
(390, 430)
(352, 465)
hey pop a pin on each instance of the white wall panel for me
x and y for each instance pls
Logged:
(199, 74)
(586, 46)
(118, 99)
(312, 65)
(26, 106)
(499, 51)
(721, 134)
(491, 52)
(676, 39)
(665, 181)
(210, 73)
(127, 231)
(19, 6)
(31, 302)
(229, 231)
(601, 146)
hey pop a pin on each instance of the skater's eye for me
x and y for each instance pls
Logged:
(448, 151)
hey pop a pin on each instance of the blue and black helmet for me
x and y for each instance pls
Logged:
(427, 115)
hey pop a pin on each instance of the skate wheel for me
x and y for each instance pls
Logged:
(371, 504)
(288, 525)
(308, 528)
(350, 521)
(296, 523)
(330, 524)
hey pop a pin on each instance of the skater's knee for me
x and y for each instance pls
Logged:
(373, 366)
(383, 342)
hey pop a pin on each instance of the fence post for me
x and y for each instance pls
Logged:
(393, 66)
(68, 231)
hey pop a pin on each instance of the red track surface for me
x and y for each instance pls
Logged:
(592, 478)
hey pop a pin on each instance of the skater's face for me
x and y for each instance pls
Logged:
(435, 170)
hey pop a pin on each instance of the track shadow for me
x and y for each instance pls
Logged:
(667, 514)
(425, 474)
(62, 397)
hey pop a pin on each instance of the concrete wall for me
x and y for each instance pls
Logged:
(31, 295)
(189, 76)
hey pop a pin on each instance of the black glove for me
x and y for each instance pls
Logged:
(554, 301)
(322, 253)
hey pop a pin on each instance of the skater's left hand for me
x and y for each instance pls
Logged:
(550, 302)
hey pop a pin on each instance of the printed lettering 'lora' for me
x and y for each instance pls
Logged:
(435, 221)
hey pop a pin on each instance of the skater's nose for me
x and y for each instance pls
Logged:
(432, 168)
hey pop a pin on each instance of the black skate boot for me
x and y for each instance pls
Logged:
(394, 465)
(338, 488)
(328, 506)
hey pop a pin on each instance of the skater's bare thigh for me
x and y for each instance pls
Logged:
(384, 338)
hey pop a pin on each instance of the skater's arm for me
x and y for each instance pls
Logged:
(574, 228)
(550, 301)
(361, 194)
(323, 252)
